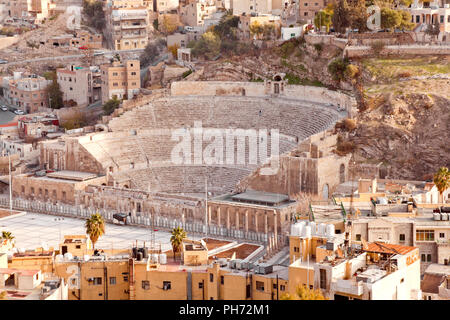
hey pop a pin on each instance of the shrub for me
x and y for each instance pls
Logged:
(318, 47)
(337, 69)
(377, 46)
(186, 73)
(351, 71)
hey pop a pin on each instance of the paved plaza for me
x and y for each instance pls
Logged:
(32, 229)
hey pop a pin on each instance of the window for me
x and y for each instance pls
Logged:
(221, 279)
(323, 279)
(97, 281)
(402, 237)
(423, 258)
(358, 237)
(441, 235)
(282, 287)
(275, 286)
(211, 277)
(424, 235)
(167, 285)
(200, 285)
(78, 246)
(296, 249)
(112, 280)
(441, 19)
(259, 286)
(428, 257)
(125, 278)
(145, 284)
(133, 73)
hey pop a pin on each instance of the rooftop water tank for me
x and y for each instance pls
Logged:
(59, 258)
(68, 256)
(86, 257)
(307, 232)
(322, 230)
(444, 216)
(436, 216)
(163, 258)
(154, 258)
(313, 228)
(330, 230)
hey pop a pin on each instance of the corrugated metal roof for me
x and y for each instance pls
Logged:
(378, 247)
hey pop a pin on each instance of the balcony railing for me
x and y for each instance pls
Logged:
(348, 286)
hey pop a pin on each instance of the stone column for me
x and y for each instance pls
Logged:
(256, 221)
(209, 215)
(237, 219)
(265, 222)
(228, 218)
(246, 221)
(275, 227)
(218, 217)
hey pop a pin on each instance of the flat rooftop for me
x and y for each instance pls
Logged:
(72, 175)
(32, 229)
(438, 269)
(260, 198)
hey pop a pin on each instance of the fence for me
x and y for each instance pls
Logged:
(138, 220)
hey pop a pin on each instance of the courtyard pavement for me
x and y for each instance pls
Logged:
(31, 229)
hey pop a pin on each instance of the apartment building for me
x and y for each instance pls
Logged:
(80, 84)
(427, 12)
(248, 7)
(245, 22)
(26, 92)
(195, 13)
(34, 11)
(120, 80)
(127, 25)
(309, 8)
(163, 6)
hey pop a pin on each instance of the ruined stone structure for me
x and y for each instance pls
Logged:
(163, 155)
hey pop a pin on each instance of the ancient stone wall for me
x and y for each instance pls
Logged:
(400, 50)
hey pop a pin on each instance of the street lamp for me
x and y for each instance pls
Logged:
(59, 220)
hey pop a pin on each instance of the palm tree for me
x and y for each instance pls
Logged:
(3, 295)
(7, 235)
(95, 227)
(442, 180)
(178, 234)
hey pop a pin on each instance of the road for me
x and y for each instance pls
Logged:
(113, 52)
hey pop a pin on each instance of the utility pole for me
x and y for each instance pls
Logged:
(10, 184)
(206, 205)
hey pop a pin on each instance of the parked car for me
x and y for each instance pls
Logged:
(3, 61)
(98, 53)
(83, 48)
(17, 111)
(4, 108)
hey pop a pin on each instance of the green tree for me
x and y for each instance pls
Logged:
(302, 292)
(95, 227)
(338, 68)
(149, 55)
(156, 24)
(178, 235)
(358, 16)
(54, 94)
(340, 17)
(442, 179)
(256, 29)
(227, 27)
(434, 29)
(208, 45)
(405, 23)
(390, 19)
(111, 105)
(95, 14)
(7, 235)
(323, 19)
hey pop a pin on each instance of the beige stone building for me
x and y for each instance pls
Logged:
(27, 93)
(120, 80)
(80, 84)
(309, 8)
(34, 11)
(127, 25)
(195, 13)
(245, 22)
(251, 6)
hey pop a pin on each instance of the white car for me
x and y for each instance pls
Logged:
(4, 108)
(19, 111)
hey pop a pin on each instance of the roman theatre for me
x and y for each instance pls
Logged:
(134, 153)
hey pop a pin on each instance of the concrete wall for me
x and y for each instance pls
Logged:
(362, 51)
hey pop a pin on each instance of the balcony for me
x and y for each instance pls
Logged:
(137, 26)
(348, 286)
